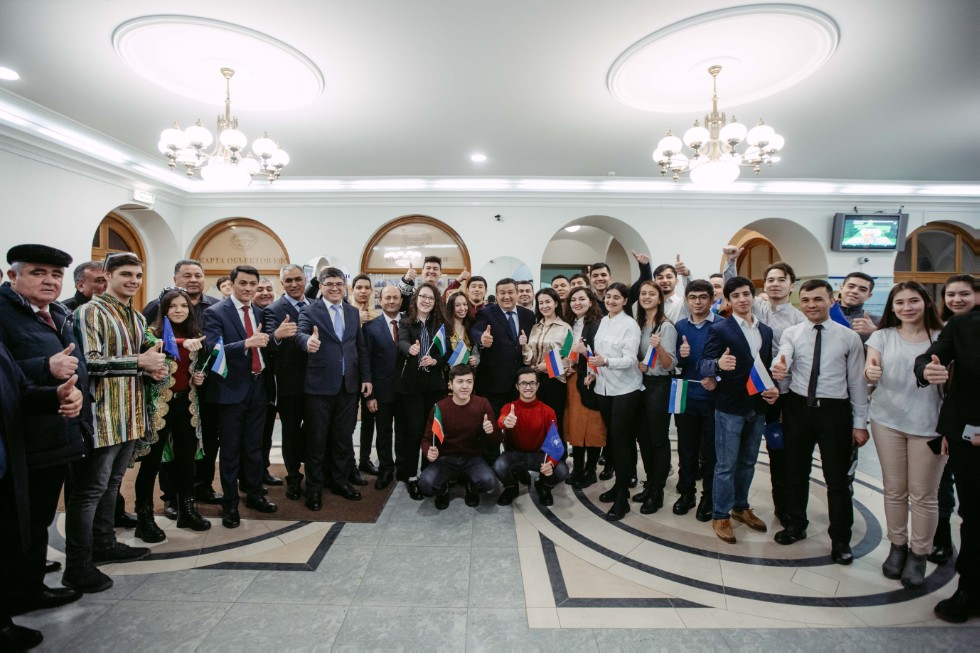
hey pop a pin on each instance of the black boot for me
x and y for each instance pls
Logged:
(620, 506)
(189, 517)
(942, 543)
(146, 527)
(653, 503)
(704, 508)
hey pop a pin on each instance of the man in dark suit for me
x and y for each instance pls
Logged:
(740, 418)
(281, 320)
(337, 369)
(381, 336)
(241, 396)
(959, 424)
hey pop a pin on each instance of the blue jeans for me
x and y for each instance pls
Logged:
(512, 463)
(737, 440)
(473, 469)
(91, 508)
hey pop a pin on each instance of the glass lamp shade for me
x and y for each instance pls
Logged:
(715, 174)
(658, 156)
(162, 146)
(776, 143)
(670, 144)
(760, 134)
(233, 139)
(279, 158)
(696, 136)
(187, 155)
(198, 137)
(173, 138)
(733, 132)
(752, 155)
(222, 173)
(250, 164)
(264, 147)
(678, 162)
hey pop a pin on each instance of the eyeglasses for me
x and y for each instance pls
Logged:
(337, 284)
(426, 298)
(527, 384)
(698, 298)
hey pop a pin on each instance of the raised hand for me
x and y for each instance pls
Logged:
(864, 325)
(287, 329)
(257, 339)
(313, 344)
(655, 340)
(415, 349)
(486, 340)
(522, 339)
(152, 359)
(487, 425)
(642, 259)
(682, 269)
(579, 346)
(70, 398)
(935, 372)
(872, 371)
(411, 274)
(365, 316)
(727, 361)
(63, 364)
(511, 420)
(194, 344)
(732, 252)
(463, 276)
(685, 349)
(780, 369)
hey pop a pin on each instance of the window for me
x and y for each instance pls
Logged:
(239, 241)
(935, 252)
(759, 254)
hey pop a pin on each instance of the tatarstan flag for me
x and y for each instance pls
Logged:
(437, 432)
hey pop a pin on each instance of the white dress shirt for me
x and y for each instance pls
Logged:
(675, 308)
(251, 319)
(751, 332)
(618, 341)
(841, 365)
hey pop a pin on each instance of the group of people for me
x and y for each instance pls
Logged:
(454, 390)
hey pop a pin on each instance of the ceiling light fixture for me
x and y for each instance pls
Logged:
(715, 161)
(8, 74)
(478, 158)
(224, 165)
(572, 229)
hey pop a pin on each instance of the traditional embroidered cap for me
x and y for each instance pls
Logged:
(38, 254)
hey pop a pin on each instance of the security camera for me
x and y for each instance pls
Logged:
(497, 217)
(863, 259)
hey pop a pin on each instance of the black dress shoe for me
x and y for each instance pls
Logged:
(941, 554)
(587, 479)
(269, 479)
(126, 520)
(634, 481)
(385, 477)
(231, 519)
(170, 511)
(619, 508)
(413, 490)
(641, 496)
(51, 566)
(606, 473)
(684, 503)
(442, 500)
(118, 552)
(958, 608)
(19, 638)
(840, 552)
(704, 509)
(508, 495)
(609, 495)
(544, 493)
(293, 491)
(472, 496)
(355, 478)
(789, 536)
(347, 492)
(368, 467)
(653, 503)
(314, 500)
(49, 597)
(208, 495)
(261, 504)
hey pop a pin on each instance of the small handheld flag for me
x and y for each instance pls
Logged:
(552, 362)
(759, 379)
(220, 366)
(566, 345)
(553, 447)
(588, 357)
(721, 308)
(169, 341)
(651, 357)
(837, 315)
(678, 396)
(439, 341)
(437, 432)
(460, 355)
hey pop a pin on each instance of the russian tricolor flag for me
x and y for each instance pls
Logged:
(759, 379)
(651, 358)
(552, 361)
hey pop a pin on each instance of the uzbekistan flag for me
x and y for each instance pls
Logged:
(759, 379)
(651, 358)
(553, 362)
(678, 396)
(169, 341)
(220, 366)
(437, 432)
(553, 447)
(460, 355)
(439, 341)
(837, 315)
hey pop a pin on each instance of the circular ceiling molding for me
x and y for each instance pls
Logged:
(184, 54)
(763, 49)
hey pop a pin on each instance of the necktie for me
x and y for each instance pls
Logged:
(338, 328)
(394, 330)
(44, 315)
(811, 391)
(300, 305)
(256, 363)
(513, 324)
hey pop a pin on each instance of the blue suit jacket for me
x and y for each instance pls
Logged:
(339, 362)
(383, 353)
(732, 396)
(289, 359)
(222, 321)
(499, 363)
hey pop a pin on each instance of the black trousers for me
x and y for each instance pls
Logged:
(11, 554)
(330, 421)
(291, 416)
(778, 472)
(210, 436)
(181, 469)
(965, 461)
(946, 496)
(696, 445)
(267, 429)
(367, 433)
(654, 433)
(620, 415)
(44, 489)
(829, 427)
(241, 445)
(389, 422)
(416, 408)
(554, 394)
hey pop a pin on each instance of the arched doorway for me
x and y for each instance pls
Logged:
(239, 241)
(588, 240)
(935, 252)
(114, 235)
(757, 255)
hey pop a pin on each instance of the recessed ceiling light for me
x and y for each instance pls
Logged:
(573, 228)
(8, 74)
(478, 158)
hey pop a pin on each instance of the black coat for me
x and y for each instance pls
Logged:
(53, 439)
(287, 359)
(959, 343)
(412, 379)
(383, 352)
(499, 363)
(587, 392)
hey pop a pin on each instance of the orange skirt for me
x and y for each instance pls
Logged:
(583, 426)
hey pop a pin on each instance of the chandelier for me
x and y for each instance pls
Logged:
(224, 163)
(714, 160)
(402, 257)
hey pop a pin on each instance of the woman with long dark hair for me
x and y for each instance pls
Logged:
(422, 379)
(657, 335)
(175, 415)
(584, 430)
(903, 425)
(549, 331)
(459, 318)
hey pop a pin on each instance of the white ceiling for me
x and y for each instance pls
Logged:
(413, 88)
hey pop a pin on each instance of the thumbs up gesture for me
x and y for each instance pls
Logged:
(287, 329)
(935, 371)
(685, 349)
(511, 419)
(257, 339)
(522, 339)
(487, 425)
(194, 344)
(727, 361)
(70, 398)
(780, 369)
(642, 259)
(415, 349)
(410, 274)
(731, 252)
(313, 344)
(579, 346)
(655, 340)
(486, 340)
(872, 371)
(63, 364)
(682, 269)
(153, 359)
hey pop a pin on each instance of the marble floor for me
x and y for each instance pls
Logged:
(525, 577)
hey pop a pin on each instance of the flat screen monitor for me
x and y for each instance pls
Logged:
(871, 232)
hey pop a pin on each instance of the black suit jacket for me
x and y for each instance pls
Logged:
(289, 360)
(733, 397)
(499, 363)
(383, 353)
(325, 374)
(958, 342)
(222, 321)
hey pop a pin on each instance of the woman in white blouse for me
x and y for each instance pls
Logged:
(903, 425)
(618, 385)
(549, 331)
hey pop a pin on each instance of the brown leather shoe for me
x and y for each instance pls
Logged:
(748, 518)
(723, 529)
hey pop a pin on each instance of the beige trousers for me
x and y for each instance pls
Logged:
(911, 473)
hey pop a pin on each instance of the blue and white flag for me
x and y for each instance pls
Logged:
(169, 341)
(553, 446)
(220, 366)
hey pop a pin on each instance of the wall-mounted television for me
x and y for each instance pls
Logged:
(869, 232)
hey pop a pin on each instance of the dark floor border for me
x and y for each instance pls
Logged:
(310, 565)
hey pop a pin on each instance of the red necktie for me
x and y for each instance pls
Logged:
(44, 315)
(256, 363)
(394, 330)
